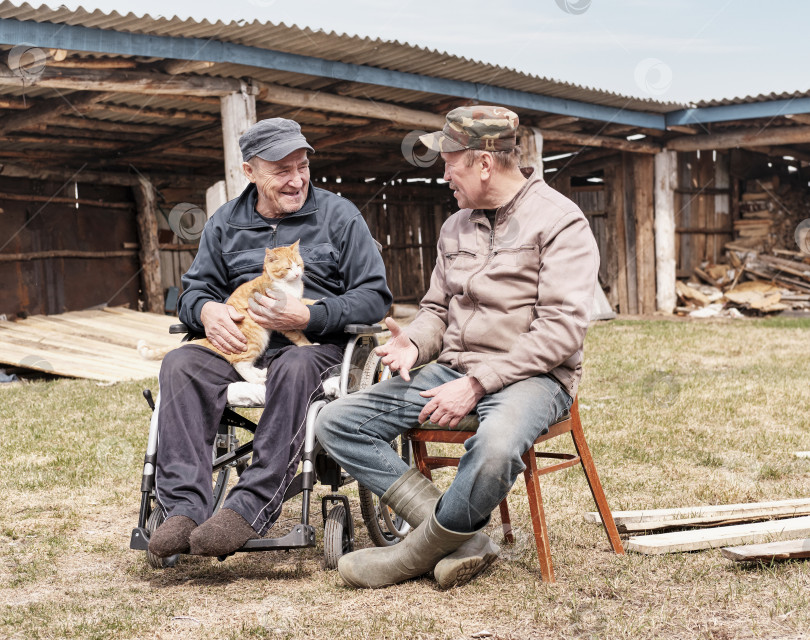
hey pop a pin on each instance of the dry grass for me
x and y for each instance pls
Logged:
(676, 414)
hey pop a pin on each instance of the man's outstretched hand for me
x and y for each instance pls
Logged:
(451, 401)
(399, 353)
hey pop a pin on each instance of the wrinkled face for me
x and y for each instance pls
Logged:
(282, 185)
(464, 181)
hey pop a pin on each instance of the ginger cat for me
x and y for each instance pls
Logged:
(283, 272)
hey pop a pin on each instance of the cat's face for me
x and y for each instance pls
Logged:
(284, 263)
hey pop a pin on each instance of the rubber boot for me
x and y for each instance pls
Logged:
(417, 554)
(413, 497)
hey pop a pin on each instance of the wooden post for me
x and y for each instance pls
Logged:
(666, 179)
(531, 149)
(215, 197)
(238, 111)
(146, 200)
(614, 183)
(645, 240)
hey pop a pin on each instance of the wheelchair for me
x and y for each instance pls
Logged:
(359, 369)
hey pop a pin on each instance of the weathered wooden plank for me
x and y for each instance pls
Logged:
(793, 507)
(715, 537)
(786, 550)
(93, 344)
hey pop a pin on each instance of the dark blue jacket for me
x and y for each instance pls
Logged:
(343, 268)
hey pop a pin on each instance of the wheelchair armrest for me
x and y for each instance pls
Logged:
(359, 329)
(182, 328)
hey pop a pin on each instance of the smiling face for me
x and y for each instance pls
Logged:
(282, 185)
(465, 181)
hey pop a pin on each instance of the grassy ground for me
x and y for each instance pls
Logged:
(676, 414)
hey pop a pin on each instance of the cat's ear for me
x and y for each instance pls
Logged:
(294, 245)
(269, 255)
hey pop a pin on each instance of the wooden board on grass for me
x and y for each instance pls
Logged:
(97, 344)
(698, 539)
(787, 550)
(657, 519)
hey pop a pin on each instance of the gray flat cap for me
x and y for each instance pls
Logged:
(272, 139)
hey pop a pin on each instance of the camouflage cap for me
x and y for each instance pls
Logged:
(477, 127)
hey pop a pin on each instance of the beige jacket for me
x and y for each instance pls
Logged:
(511, 303)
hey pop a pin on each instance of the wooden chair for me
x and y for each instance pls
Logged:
(570, 423)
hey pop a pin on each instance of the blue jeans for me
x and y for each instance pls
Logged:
(356, 431)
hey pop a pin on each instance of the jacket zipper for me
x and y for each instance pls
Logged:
(469, 289)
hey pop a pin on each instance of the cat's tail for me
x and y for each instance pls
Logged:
(148, 353)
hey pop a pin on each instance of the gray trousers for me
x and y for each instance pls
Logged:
(193, 394)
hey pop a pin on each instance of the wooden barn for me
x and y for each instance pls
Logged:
(118, 136)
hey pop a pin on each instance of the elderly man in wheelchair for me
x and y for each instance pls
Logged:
(343, 273)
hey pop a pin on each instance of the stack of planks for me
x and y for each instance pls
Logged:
(752, 282)
(759, 531)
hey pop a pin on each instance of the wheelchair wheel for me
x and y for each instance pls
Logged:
(155, 520)
(338, 537)
(385, 528)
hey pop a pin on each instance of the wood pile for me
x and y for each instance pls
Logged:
(749, 532)
(770, 211)
(752, 283)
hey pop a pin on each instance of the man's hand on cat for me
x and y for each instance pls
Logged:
(221, 330)
(278, 311)
(451, 401)
(399, 353)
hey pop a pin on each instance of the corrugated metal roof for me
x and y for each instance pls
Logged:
(384, 54)
(762, 97)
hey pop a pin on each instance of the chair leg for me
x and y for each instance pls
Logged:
(538, 516)
(506, 522)
(593, 481)
(419, 455)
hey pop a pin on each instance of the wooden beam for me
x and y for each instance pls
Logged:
(351, 134)
(93, 63)
(162, 114)
(7, 102)
(666, 179)
(715, 537)
(146, 199)
(238, 112)
(44, 171)
(803, 118)
(778, 152)
(678, 128)
(751, 137)
(123, 81)
(587, 140)
(769, 551)
(65, 253)
(551, 122)
(47, 110)
(163, 142)
(177, 67)
(301, 98)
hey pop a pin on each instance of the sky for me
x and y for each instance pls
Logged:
(669, 50)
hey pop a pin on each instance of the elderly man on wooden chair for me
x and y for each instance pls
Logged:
(506, 314)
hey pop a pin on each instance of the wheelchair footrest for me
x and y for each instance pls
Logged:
(139, 540)
(302, 535)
